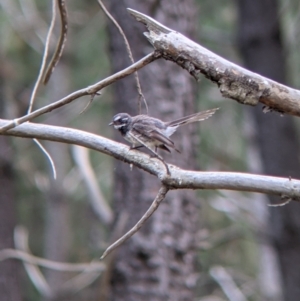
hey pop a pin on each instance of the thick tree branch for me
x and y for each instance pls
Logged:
(178, 178)
(233, 81)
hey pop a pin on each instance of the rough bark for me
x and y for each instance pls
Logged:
(233, 81)
(262, 49)
(159, 262)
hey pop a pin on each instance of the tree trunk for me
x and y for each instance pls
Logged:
(159, 262)
(262, 49)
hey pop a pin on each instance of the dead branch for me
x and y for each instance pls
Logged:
(233, 81)
(91, 90)
(49, 264)
(178, 178)
(158, 199)
(32, 270)
(136, 76)
(61, 42)
(44, 58)
(97, 199)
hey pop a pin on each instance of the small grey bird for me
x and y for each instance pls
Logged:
(143, 130)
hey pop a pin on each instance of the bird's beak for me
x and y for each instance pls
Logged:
(111, 123)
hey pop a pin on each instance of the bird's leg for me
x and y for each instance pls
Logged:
(136, 147)
(156, 155)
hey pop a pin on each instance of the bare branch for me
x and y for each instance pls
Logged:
(136, 76)
(86, 91)
(104, 286)
(178, 178)
(233, 81)
(97, 199)
(33, 271)
(48, 156)
(49, 264)
(158, 199)
(61, 42)
(44, 59)
(86, 277)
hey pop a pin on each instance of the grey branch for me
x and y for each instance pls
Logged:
(158, 199)
(49, 264)
(33, 271)
(178, 178)
(97, 199)
(233, 81)
(91, 90)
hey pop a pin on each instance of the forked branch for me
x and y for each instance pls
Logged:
(91, 90)
(158, 199)
(178, 178)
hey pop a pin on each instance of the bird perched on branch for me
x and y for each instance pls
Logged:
(153, 133)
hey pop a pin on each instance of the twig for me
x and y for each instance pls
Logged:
(61, 42)
(38, 82)
(86, 277)
(287, 201)
(44, 59)
(33, 271)
(158, 199)
(136, 76)
(49, 264)
(86, 91)
(88, 104)
(48, 157)
(104, 286)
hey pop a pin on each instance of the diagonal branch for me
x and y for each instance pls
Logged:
(233, 81)
(158, 199)
(61, 42)
(91, 90)
(136, 76)
(34, 273)
(44, 58)
(178, 178)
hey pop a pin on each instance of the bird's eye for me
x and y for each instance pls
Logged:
(124, 120)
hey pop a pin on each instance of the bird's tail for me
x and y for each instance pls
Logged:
(193, 118)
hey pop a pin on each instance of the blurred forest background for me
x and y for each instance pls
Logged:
(240, 248)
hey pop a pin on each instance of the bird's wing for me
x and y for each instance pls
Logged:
(148, 130)
(161, 138)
